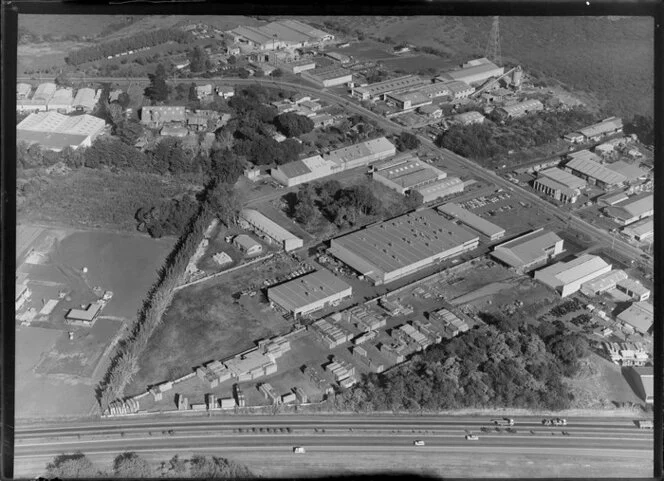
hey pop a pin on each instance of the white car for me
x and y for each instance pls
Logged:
(419, 442)
(472, 437)
(298, 450)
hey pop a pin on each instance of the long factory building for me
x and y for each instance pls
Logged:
(566, 277)
(310, 292)
(401, 246)
(317, 167)
(406, 172)
(475, 222)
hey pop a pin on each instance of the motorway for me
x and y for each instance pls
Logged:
(327, 432)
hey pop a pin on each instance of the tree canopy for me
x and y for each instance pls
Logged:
(67, 466)
(131, 465)
(158, 90)
(292, 125)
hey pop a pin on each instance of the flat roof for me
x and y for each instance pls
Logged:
(481, 225)
(50, 140)
(309, 288)
(606, 125)
(589, 167)
(363, 149)
(630, 171)
(439, 185)
(568, 180)
(527, 248)
(483, 68)
(405, 240)
(270, 227)
(606, 280)
(294, 169)
(634, 286)
(641, 227)
(568, 272)
(328, 73)
(85, 315)
(392, 84)
(639, 315)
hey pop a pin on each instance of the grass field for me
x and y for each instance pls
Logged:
(56, 25)
(95, 198)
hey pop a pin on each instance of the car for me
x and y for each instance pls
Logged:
(419, 442)
(298, 450)
(472, 437)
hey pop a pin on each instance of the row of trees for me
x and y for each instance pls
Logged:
(135, 42)
(169, 217)
(494, 365)
(488, 140)
(132, 465)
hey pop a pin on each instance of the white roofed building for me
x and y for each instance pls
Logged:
(603, 283)
(406, 173)
(23, 90)
(566, 277)
(632, 210)
(587, 165)
(595, 132)
(378, 90)
(639, 315)
(475, 72)
(328, 76)
(55, 131)
(633, 289)
(270, 229)
(642, 230)
(62, 100)
(475, 222)
(522, 108)
(467, 118)
(529, 251)
(86, 99)
(440, 188)
(559, 184)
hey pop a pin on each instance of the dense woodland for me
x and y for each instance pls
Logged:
(499, 364)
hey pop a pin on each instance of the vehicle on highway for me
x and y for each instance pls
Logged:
(503, 422)
(511, 430)
(472, 437)
(298, 450)
(645, 424)
(419, 442)
(565, 433)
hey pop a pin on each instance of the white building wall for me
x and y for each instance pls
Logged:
(572, 287)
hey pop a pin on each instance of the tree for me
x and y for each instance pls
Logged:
(193, 96)
(407, 141)
(115, 113)
(413, 200)
(68, 466)
(226, 166)
(644, 127)
(198, 59)
(128, 132)
(63, 80)
(292, 125)
(124, 100)
(158, 89)
(214, 467)
(277, 72)
(131, 465)
(225, 202)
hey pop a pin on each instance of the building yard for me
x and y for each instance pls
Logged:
(204, 322)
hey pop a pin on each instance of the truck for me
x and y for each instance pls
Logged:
(644, 424)
(503, 422)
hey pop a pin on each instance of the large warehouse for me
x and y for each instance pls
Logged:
(639, 315)
(270, 229)
(440, 188)
(279, 34)
(566, 277)
(475, 222)
(475, 71)
(559, 184)
(310, 292)
(641, 231)
(632, 210)
(54, 131)
(405, 173)
(328, 76)
(378, 90)
(586, 165)
(390, 250)
(317, 167)
(612, 125)
(529, 251)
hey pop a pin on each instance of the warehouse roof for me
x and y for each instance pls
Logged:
(410, 173)
(523, 106)
(471, 70)
(555, 185)
(634, 286)
(294, 169)
(245, 242)
(405, 240)
(468, 116)
(613, 197)
(328, 73)
(639, 315)
(633, 207)
(603, 127)
(85, 97)
(254, 34)
(593, 169)
(565, 178)
(568, 272)
(438, 185)
(50, 140)
(269, 226)
(526, 249)
(64, 96)
(483, 226)
(412, 96)
(363, 149)
(630, 171)
(400, 83)
(640, 228)
(605, 281)
(44, 91)
(309, 288)
(457, 86)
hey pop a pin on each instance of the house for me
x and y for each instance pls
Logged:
(322, 120)
(225, 91)
(84, 317)
(203, 91)
(247, 244)
(574, 137)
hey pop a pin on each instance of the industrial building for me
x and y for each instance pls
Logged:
(310, 292)
(62, 100)
(23, 91)
(440, 188)
(395, 248)
(460, 90)
(328, 76)
(84, 317)
(467, 118)
(54, 131)
(475, 72)
(297, 66)
(633, 289)
(612, 198)
(559, 184)
(642, 380)
(44, 92)
(520, 109)
(475, 222)
(406, 173)
(270, 229)
(595, 132)
(247, 245)
(566, 277)
(603, 283)
(586, 165)
(317, 167)
(529, 251)
(174, 131)
(431, 111)
(86, 99)
(633, 173)
(632, 210)
(278, 35)
(641, 230)
(378, 90)
(408, 100)
(639, 315)
(339, 57)
(155, 116)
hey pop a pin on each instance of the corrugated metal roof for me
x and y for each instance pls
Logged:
(605, 281)
(630, 171)
(633, 207)
(600, 128)
(483, 226)
(555, 185)
(568, 180)
(568, 272)
(392, 84)
(526, 249)
(308, 289)
(294, 169)
(363, 149)
(268, 226)
(640, 228)
(639, 315)
(50, 140)
(595, 170)
(405, 240)
(634, 286)
(439, 185)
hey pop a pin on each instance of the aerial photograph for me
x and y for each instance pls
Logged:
(312, 246)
